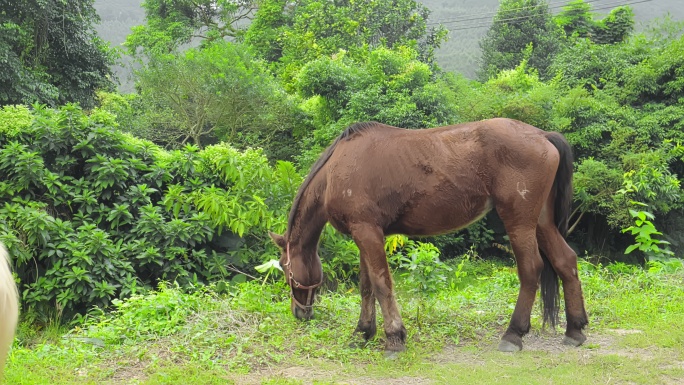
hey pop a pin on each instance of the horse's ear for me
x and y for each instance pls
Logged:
(279, 240)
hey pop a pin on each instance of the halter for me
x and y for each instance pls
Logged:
(293, 283)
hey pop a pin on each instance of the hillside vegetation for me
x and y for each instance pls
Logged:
(181, 180)
(466, 20)
(137, 219)
(469, 20)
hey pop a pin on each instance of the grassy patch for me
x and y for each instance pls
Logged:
(248, 336)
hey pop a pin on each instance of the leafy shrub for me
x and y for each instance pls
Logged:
(91, 214)
(517, 94)
(479, 236)
(13, 119)
(145, 317)
(616, 105)
(390, 86)
(418, 263)
(643, 231)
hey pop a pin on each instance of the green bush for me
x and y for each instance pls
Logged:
(90, 214)
(391, 86)
(418, 263)
(619, 106)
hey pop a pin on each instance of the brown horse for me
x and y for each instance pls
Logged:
(376, 180)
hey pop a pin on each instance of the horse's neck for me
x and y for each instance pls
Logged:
(309, 219)
(305, 234)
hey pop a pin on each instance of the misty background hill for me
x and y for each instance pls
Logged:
(467, 21)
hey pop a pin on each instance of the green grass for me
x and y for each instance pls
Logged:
(248, 336)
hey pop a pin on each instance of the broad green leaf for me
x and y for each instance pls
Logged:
(272, 264)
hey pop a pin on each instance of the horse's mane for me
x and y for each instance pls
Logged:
(347, 134)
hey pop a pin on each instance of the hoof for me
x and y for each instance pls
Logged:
(394, 346)
(396, 342)
(358, 340)
(367, 332)
(574, 341)
(392, 355)
(509, 347)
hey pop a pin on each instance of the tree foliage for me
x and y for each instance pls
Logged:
(172, 23)
(51, 54)
(290, 34)
(616, 104)
(389, 86)
(213, 92)
(217, 92)
(577, 21)
(517, 25)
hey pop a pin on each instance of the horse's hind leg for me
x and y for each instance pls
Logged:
(367, 323)
(530, 265)
(564, 262)
(371, 242)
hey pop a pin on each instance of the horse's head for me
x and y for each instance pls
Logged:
(303, 274)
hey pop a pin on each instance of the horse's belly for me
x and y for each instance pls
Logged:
(432, 217)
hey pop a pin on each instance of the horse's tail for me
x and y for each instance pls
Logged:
(9, 307)
(562, 206)
(562, 185)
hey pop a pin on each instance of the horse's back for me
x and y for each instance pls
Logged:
(433, 180)
(377, 141)
(467, 151)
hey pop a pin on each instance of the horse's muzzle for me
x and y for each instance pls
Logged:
(302, 314)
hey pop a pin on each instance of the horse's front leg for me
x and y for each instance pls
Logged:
(371, 242)
(367, 323)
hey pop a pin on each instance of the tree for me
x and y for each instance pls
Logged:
(171, 23)
(217, 91)
(616, 27)
(290, 34)
(390, 86)
(577, 21)
(517, 24)
(51, 53)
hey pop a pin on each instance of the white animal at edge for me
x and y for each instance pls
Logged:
(9, 307)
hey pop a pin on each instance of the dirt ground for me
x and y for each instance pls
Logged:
(548, 343)
(603, 344)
